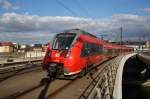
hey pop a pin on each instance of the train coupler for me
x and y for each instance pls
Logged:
(54, 70)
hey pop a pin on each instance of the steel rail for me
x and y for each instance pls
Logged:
(9, 74)
(11, 67)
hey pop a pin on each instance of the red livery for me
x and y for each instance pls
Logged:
(74, 51)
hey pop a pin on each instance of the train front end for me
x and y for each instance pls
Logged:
(59, 59)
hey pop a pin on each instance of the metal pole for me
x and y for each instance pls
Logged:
(121, 38)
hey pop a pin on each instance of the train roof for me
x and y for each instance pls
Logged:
(79, 31)
(106, 43)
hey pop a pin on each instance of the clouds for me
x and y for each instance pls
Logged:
(34, 28)
(134, 26)
(12, 22)
(7, 5)
(146, 9)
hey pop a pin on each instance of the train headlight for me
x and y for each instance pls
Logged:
(68, 54)
(57, 54)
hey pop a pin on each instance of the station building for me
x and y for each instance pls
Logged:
(6, 47)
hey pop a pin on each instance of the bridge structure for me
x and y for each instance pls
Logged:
(123, 77)
(109, 84)
(127, 78)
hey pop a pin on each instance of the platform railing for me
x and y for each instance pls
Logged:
(103, 88)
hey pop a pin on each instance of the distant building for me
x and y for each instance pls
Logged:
(6, 47)
(37, 47)
(40, 47)
(138, 46)
(45, 46)
(24, 48)
(148, 44)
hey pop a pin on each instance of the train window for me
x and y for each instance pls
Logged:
(92, 49)
(114, 50)
(95, 49)
(105, 50)
(110, 51)
(100, 49)
(84, 50)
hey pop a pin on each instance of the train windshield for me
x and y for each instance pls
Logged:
(63, 41)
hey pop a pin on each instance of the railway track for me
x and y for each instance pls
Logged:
(44, 90)
(10, 65)
(10, 78)
(53, 89)
(17, 69)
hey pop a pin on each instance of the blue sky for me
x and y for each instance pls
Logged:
(96, 8)
(46, 16)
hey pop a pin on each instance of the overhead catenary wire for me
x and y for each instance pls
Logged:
(85, 11)
(69, 10)
(76, 14)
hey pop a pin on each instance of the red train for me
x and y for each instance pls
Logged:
(75, 51)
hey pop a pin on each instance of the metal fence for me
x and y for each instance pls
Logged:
(103, 86)
(15, 57)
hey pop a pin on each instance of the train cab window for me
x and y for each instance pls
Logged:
(63, 41)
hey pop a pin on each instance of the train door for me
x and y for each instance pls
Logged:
(94, 53)
(91, 54)
(100, 52)
(85, 52)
